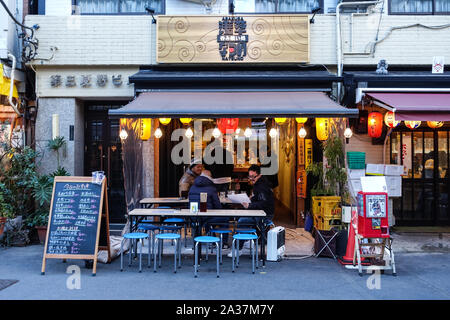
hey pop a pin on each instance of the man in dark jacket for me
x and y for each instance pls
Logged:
(262, 199)
(205, 184)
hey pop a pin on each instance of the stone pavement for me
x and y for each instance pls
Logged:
(421, 275)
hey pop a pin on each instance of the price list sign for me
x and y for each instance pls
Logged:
(74, 220)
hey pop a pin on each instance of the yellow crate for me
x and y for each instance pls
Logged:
(316, 205)
(329, 206)
(327, 222)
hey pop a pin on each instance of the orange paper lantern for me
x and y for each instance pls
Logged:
(375, 124)
(435, 124)
(413, 124)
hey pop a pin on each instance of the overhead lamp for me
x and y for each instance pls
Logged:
(123, 134)
(158, 133)
(164, 121)
(348, 133)
(189, 133)
(216, 133)
(273, 133)
(248, 132)
(302, 133)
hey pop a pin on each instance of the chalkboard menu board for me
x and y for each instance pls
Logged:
(74, 226)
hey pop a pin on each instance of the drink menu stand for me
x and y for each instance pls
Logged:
(384, 243)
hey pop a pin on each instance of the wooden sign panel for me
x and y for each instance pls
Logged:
(301, 183)
(233, 39)
(78, 220)
(308, 152)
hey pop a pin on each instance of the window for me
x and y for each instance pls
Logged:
(277, 6)
(117, 6)
(419, 6)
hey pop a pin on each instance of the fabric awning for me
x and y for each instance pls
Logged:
(214, 104)
(415, 106)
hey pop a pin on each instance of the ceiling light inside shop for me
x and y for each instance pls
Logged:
(123, 134)
(189, 133)
(248, 133)
(216, 133)
(158, 133)
(302, 133)
(273, 133)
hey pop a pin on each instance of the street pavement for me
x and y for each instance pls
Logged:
(420, 275)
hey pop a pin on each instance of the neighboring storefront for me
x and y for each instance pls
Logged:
(419, 142)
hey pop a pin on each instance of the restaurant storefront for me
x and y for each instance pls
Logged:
(216, 68)
(419, 141)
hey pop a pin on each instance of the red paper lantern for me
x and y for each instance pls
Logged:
(375, 124)
(227, 125)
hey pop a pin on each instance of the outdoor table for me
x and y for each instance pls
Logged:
(141, 213)
(182, 202)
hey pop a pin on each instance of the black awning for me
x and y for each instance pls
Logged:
(232, 78)
(247, 104)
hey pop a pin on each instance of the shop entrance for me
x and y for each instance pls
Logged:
(425, 188)
(103, 152)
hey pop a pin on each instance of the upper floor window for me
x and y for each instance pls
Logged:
(279, 6)
(419, 6)
(118, 6)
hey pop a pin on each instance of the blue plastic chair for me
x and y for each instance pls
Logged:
(254, 248)
(221, 232)
(176, 221)
(159, 243)
(205, 239)
(134, 237)
(245, 230)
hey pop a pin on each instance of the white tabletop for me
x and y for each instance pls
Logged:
(187, 213)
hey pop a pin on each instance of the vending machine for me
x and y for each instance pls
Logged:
(373, 215)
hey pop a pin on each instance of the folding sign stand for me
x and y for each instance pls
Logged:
(72, 233)
(382, 243)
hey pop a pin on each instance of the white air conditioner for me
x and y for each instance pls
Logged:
(275, 244)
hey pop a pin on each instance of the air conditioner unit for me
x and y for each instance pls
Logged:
(275, 244)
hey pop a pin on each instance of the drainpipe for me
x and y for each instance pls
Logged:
(11, 87)
(338, 36)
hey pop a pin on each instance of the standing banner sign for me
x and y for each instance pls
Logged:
(78, 223)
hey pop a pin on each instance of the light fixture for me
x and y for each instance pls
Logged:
(185, 120)
(413, 124)
(158, 133)
(238, 131)
(146, 126)
(375, 124)
(189, 133)
(164, 121)
(216, 133)
(302, 133)
(123, 134)
(273, 133)
(248, 133)
(301, 120)
(435, 124)
(348, 134)
(280, 120)
(322, 128)
(389, 120)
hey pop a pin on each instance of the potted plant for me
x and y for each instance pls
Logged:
(331, 187)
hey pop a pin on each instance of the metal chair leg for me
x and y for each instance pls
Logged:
(139, 243)
(160, 251)
(253, 255)
(149, 252)
(196, 259)
(237, 254)
(257, 263)
(220, 248)
(218, 260)
(154, 254)
(175, 256)
(233, 244)
(121, 254)
(179, 254)
(130, 253)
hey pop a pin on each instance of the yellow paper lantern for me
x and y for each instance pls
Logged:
(322, 127)
(280, 120)
(185, 120)
(164, 121)
(413, 124)
(435, 124)
(146, 129)
(301, 120)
